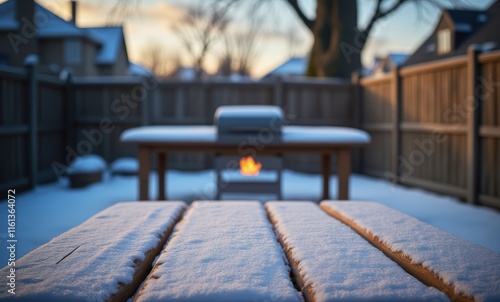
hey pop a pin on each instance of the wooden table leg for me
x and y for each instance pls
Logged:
(162, 165)
(144, 168)
(325, 164)
(343, 171)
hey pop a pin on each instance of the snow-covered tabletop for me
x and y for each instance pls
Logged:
(336, 264)
(208, 134)
(304, 139)
(222, 251)
(97, 259)
(470, 270)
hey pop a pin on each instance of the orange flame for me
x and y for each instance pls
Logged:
(248, 167)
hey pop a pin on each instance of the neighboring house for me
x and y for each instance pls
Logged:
(295, 66)
(389, 62)
(456, 30)
(59, 44)
(139, 70)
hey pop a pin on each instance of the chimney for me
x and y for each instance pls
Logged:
(25, 12)
(73, 11)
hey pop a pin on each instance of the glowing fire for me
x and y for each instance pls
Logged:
(248, 167)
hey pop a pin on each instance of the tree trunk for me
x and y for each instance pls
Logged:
(337, 44)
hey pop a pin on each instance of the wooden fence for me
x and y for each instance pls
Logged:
(33, 128)
(436, 126)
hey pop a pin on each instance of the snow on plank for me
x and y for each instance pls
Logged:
(104, 259)
(461, 269)
(332, 263)
(222, 251)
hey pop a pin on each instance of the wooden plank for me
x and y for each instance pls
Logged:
(457, 61)
(325, 259)
(489, 131)
(222, 251)
(488, 57)
(405, 239)
(104, 259)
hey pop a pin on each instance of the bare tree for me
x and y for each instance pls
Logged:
(239, 52)
(338, 41)
(201, 28)
(161, 62)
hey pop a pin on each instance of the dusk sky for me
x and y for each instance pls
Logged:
(152, 22)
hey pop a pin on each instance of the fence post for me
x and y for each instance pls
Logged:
(146, 100)
(31, 63)
(70, 113)
(396, 122)
(278, 92)
(473, 106)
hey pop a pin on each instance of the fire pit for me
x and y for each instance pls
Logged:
(249, 126)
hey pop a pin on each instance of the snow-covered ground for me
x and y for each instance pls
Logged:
(52, 209)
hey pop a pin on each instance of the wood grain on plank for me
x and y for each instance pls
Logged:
(144, 267)
(426, 276)
(297, 277)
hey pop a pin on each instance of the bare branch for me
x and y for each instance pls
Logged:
(295, 5)
(378, 14)
(201, 27)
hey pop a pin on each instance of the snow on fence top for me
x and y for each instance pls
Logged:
(222, 251)
(336, 264)
(99, 259)
(467, 269)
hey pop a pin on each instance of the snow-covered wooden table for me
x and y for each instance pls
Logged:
(247, 251)
(160, 140)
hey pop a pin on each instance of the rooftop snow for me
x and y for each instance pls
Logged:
(110, 39)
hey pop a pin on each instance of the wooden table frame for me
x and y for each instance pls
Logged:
(161, 149)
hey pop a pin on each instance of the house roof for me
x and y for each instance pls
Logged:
(107, 38)
(294, 66)
(49, 24)
(110, 39)
(472, 27)
(7, 18)
(398, 58)
(139, 70)
(467, 21)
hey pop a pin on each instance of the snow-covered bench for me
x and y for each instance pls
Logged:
(332, 263)
(104, 259)
(222, 251)
(461, 269)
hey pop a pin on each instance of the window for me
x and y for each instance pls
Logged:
(72, 51)
(444, 41)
